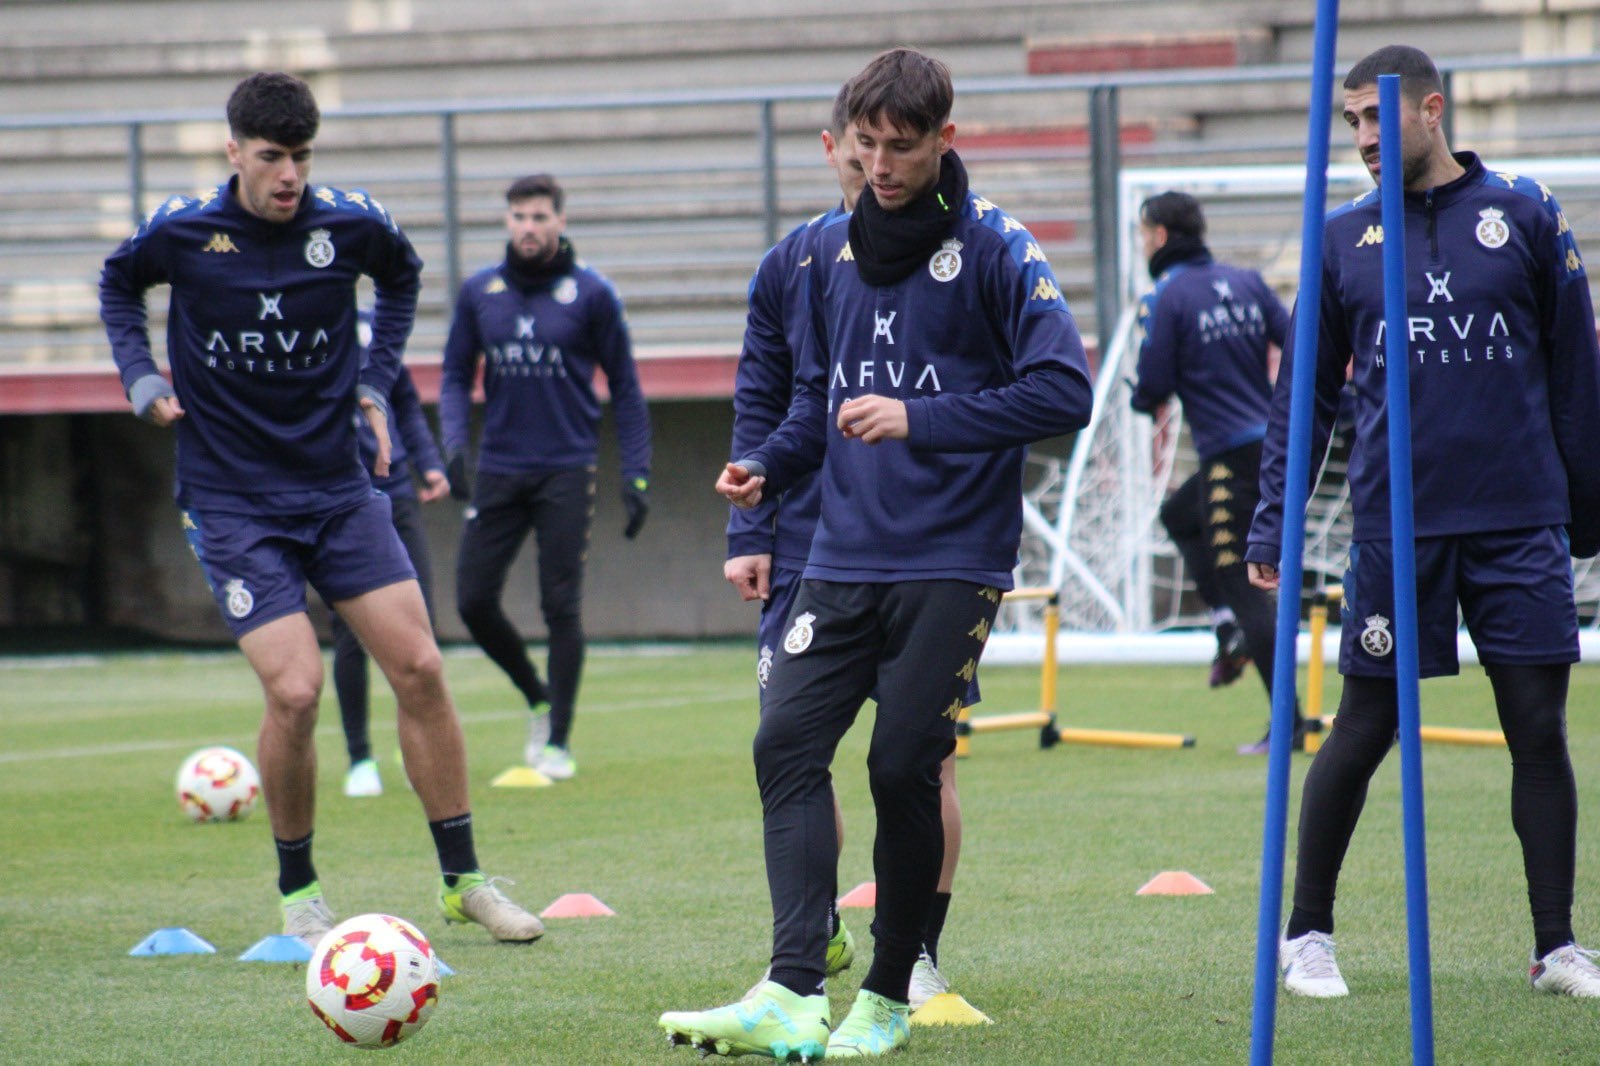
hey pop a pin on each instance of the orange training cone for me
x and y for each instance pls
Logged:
(1174, 883)
(863, 895)
(577, 905)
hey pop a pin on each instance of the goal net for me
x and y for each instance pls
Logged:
(1090, 519)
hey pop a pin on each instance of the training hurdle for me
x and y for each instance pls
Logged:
(1436, 734)
(1044, 719)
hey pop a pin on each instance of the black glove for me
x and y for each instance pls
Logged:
(636, 498)
(455, 469)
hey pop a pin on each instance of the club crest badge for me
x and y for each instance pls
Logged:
(799, 636)
(1492, 229)
(238, 598)
(319, 248)
(566, 291)
(946, 262)
(764, 665)
(1376, 639)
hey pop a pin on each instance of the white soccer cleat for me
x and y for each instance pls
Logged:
(1309, 968)
(363, 780)
(556, 763)
(306, 916)
(926, 982)
(538, 738)
(476, 898)
(1567, 971)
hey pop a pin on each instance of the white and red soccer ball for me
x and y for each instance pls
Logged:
(218, 785)
(373, 980)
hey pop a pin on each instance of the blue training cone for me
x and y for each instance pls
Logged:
(444, 969)
(279, 947)
(172, 941)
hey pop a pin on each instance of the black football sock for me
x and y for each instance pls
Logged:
(294, 864)
(452, 838)
(936, 916)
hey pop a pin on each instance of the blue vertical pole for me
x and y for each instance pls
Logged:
(1296, 487)
(1402, 531)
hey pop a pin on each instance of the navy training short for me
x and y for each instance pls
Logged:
(258, 565)
(1515, 593)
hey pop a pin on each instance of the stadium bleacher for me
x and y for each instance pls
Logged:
(668, 199)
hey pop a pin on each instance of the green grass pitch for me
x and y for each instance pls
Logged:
(1046, 934)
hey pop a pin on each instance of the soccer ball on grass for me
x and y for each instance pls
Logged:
(373, 980)
(218, 785)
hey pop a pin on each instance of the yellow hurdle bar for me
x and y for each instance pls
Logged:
(1044, 719)
(1437, 734)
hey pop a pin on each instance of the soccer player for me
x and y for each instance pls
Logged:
(939, 348)
(768, 543)
(541, 322)
(1209, 330)
(1505, 397)
(413, 448)
(266, 374)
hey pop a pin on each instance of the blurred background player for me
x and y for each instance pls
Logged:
(1211, 333)
(940, 348)
(541, 322)
(411, 448)
(1505, 436)
(267, 369)
(768, 543)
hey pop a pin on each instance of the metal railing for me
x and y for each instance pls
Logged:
(1101, 97)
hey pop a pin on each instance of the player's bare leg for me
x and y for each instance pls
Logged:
(392, 623)
(288, 663)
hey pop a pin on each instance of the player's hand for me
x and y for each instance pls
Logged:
(460, 478)
(380, 427)
(636, 500)
(1263, 576)
(740, 487)
(871, 419)
(434, 485)
(166, 410)
(751, 575)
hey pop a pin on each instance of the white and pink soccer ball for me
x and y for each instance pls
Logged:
(373, 980)
(218, 785)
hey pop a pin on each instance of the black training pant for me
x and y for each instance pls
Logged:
(557, 508)
(1531, 702)
(916, 645)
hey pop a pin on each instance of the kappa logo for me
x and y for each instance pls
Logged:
(799, 637)
(1376, 639)
(1492, 232)
(1574, 264)
(325, 194)
(845, 255)
(220, 242)
(1374, 235)
(319, 248)
(881, 328)
(240, 602)
(1045, 290)
(495, 287)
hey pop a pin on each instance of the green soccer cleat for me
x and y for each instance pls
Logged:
(475, 898)
(841, 951)
(772, 1021)
(306, 916)
(875, 1026)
